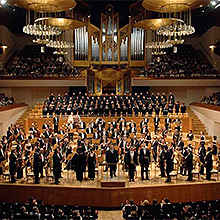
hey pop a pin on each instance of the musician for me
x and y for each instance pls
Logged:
(144, 129)
(214, 146)
(144, 121)
(82, 125)
(180, 144)
(133, 129)
(176, 136)
(19, 163)
(45, 125)
(183, 108)
(184, 154)
(167, 123)
(55, 140)
(190, 136)
(12, 165)
(202, 154)
(189, 164)
(135, 143)
(91, 161)
(114, 123)
(144, 160)
(132, 162)
(156, 124)
(79, 162)
(36, 166)
(162, 160)
(83, 135)
(169, 162)
(177, 123)
(57, 165)
(112, 160)
(208, 163)
(115, 133)
(41, 162)
(89, 129)
(47, 133)
(2, 157)
(154, 146)
(96, 135)
(55, 123)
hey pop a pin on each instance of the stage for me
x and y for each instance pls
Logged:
(90, 193)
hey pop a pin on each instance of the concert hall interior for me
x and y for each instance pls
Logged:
(109, 109)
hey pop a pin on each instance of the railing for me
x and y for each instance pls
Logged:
(212, 107)
(9, 107)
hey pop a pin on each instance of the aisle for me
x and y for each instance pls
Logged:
(110, 215)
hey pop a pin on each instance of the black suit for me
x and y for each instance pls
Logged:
(56, 167)
(167, 123)
(131, 164)
(202, 153)
(36, 167)
(56, 124)
(156, 124)
(189, 165)
(12, 167)
(144, 161)
(112, 159)
(208, 165)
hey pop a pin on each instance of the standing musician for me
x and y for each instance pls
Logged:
(202, 154)
(132, 162)
(156, 124)
(2, 157)
(12, 165)
(162, 160)
(169, 162)
(57, 165)
(184, 154)
(144, 160)
(55, 123)
(112, 160)
(36, 166)
(167, 123)
(154, 146)
(208, 163)
(189, 164)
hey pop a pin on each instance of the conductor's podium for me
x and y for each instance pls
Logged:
(117, 180)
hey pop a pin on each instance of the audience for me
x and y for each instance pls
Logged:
(31, 63)
(36, 209)
(185, 63)
(5, 101)
(167, 210)
(214, 99)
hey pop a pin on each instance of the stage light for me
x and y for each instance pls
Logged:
(211, 47)
(213, 3)
(3, 2)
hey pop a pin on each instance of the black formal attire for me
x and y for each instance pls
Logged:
(208, 165)
(144, 160)
(36, 167)
(169, 164)
(112, 160)
(19, 166)
(189, 165)
(161, 163)
(167, 123)
(183, 165)
(202, 154)
(79, 161)
(154, 145)
(12, 166)
(2, 158)
(56, 167)
(91, 165)
(56, 124)
(156, 124)
(132, 162)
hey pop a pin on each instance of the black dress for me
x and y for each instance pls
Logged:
(91, 165)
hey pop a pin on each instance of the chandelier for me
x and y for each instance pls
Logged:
(180, 11)
(158, 44)
(41, 30)
(60, 44)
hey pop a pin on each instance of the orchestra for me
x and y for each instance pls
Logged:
(116, 142)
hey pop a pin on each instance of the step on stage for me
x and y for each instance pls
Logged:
(106, 192)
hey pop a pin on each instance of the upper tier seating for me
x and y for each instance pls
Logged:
(5, 101)
(214, 99)
(30, 62)
(187, 62)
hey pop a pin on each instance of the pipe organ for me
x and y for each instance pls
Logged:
(81, 43)
(110, 44)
